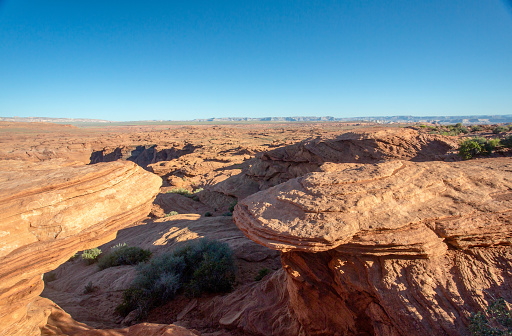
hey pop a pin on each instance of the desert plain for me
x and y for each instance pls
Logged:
(335, 228)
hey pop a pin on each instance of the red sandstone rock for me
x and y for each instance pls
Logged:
(279, 165)
(48, 213)
(400, 248)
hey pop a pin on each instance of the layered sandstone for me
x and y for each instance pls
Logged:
(50, 210)
(399, 247)
(279, 165)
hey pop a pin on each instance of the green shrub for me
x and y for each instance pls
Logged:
(208, 214)
(227, 214)
(206, 266)
(91, 255)
(261, 274)
(117, 246)
(172, 213)
(496, 320)
(49, 277)
(89, 288)
(470, 148)
(507, 141)
(476, 128)
(499, 129)
(124, 255)
(185, 192)
(491, 145)
(181, 191)
(232, 206)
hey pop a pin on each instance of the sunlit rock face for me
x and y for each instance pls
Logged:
(52, 209)
(390, 248)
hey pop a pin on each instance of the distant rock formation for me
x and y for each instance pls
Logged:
(273, 167)
(390, 248)
(52, 209)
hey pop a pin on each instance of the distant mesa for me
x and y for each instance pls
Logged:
(469, 119)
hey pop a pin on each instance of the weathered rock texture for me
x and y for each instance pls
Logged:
(401, 248)
(273, 167)
(51, 210)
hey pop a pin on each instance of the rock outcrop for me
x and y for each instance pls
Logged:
(391, 248)
(276, 166)
(50, 210)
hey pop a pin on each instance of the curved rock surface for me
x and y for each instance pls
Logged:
(282, 164)
(50, 210)
(399, 247)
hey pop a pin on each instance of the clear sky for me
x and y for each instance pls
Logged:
(181, 60)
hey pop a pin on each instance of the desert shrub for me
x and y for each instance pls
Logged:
(117, 246)
(89, 288)
(124, 255)
(476, 128)
(185, 192)
(495, 321)
(491, 145)
(227, 214)
(470, 148)
(172, 213)
(261, 274)
(232, 206)
(507, 141)
(205, 266)
(499, 129)
(91, 256)
(181, 191)
(49, 277)
(208, 214)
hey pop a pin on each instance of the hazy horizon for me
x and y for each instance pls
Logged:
(169, 60)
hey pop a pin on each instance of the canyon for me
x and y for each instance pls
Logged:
(363, 229)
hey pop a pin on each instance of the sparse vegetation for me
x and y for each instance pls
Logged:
(495, 321)
(500, 129)
(227, 214)
(89, 288)
(232, 207)
(206, 266)
(124, 255)
(186, 193)
(49, 277)
(208, 214)
(472, 147)
(172, 213)
(117, 246)
(181, 191)
(450, 130)
(261, 274)
(91, 256)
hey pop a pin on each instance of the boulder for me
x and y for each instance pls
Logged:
(389, 248)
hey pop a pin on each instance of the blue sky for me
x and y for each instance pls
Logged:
(181, 60)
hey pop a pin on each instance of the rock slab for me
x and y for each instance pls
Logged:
(52, 209)
(390, 248)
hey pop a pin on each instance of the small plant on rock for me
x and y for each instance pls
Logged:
(89, 288)
(124, 255)
(497, 320)
(172, 213)
(91, 256)
(261, 274)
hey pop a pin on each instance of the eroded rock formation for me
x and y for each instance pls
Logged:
(50, 210)
(276, 166)
(391, 248)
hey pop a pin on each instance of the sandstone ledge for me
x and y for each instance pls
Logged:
(51, 210)
(388, 208)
